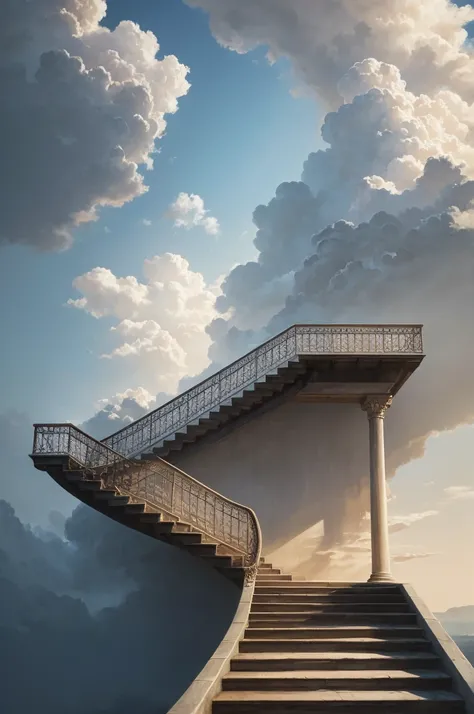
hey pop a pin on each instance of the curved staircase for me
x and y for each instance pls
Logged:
(343, 647)
(155, 498)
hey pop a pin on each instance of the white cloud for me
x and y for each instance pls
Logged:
(160, 322)
(401, 523)
(146, 222)
(424, 38)
(405, 557)
(459, 493)
(188, 211)
(83, 107)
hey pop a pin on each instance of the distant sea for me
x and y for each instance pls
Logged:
(466, 645)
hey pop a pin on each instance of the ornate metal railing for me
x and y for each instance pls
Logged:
(161, 486)
(156, 426)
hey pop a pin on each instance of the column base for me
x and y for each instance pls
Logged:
(381, 578)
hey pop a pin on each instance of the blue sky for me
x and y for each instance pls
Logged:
(220, 145)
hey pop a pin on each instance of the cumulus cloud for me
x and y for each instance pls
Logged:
(188, 211)
(83, 106)
(160, 323)
(424, 38)
(459, 493)
(115, 412)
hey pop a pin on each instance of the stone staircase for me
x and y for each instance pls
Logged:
(344, 647)
(123, 509)
(155, 499)
(279, 382)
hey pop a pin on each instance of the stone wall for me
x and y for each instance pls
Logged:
(294, 464)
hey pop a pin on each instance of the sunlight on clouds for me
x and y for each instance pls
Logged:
(99, 99)
(188, 211)
(161, 322)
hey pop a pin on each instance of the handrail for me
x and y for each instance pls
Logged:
(158, 483)
(164, 421)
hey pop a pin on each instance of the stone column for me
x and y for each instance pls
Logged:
(376, 406)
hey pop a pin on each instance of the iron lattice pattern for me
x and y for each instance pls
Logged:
(154, 427)
(161, 486)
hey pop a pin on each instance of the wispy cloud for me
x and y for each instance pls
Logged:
(459, 493)
(405, 557)
(400, 523)
(146, 222)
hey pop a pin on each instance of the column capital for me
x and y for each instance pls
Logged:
(376, 405)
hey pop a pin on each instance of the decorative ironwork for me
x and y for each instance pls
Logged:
(161, 423)
(161, 486)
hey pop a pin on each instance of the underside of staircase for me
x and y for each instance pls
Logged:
(271, 389)
(124, 508)
(290, 379)
(344, 647)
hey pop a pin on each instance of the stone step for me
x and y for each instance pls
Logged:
(104, 494)
(186, 538)
(300, 588)
(288, 619)
(204, 549)
(267, 570)
(342, 702)
(276, 607)
(322, 631)
(268, 389)
(160, 527)
(132, 509)
(150, 518)
(286, 661)
(218, 561)
(334, 679)
(272, 577)
(340, 587)
(118, 501)
(88, 485)
(338, 642)
(330, 597)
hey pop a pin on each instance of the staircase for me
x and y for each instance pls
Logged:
(344, 647)
(155, 498)
(281, 382)
(274, 370)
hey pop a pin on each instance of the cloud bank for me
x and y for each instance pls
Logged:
(113, 604)
(82, 108)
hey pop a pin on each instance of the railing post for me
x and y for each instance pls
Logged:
(69, 441)
(173, 485)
